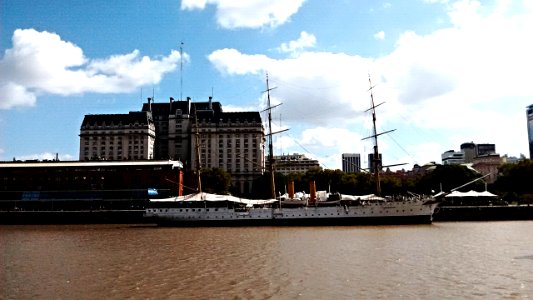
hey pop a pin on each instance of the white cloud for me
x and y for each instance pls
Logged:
(305, 40)
(380, 35)
(42, 63)
(467, 82)
(248, 14)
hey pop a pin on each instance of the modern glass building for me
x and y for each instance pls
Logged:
(351, 162)
(529, 111)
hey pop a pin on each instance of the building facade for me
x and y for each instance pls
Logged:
(117, 137)
(469, 152)
(294, 163)
(529, 112)
(232, 141)
(351, 162)
(452, 157)
(485, 149)
(488, 165)
(372, 161)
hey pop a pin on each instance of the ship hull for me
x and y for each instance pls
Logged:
(419, 219)
(304, 216)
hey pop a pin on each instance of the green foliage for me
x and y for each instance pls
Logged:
(450, 176)
(515, 182)
(215, 181)
(515, 178)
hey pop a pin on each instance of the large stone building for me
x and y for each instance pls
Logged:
(117, 137)
(233, 141)
(294, 163)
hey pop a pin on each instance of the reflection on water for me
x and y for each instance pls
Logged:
(443, 260)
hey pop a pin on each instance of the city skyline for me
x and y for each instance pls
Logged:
(449, 71)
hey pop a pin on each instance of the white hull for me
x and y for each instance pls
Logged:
(372, 213)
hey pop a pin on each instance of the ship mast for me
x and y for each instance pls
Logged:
(270, 146)
(198, 162)
(376, 161)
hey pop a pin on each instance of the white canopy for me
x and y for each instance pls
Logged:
(363, 197)
(471, 194)
(214, 197)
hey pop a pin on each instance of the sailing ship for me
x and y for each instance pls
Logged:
(205, 209)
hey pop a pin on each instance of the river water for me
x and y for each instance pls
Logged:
(467, 260)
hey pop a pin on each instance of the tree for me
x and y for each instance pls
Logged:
(450, 176)
(516, 178)
(216, 181)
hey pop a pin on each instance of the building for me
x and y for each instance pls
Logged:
(294, 163)
(488, 165)
(482, 157)
(529, 112)
(351, 162)
(469, 152)
(452, 157)
(371, 161)
(173, 121)
(485, 149)
(85, 185)
(117, 137)
(233, 141)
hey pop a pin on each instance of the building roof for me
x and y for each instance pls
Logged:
(140, 117)
(210, 111)
(187, 107)
(61, 164)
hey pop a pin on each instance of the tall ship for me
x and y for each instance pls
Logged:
(84, 191)
(204, 209)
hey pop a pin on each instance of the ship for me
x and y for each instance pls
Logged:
(205, 209)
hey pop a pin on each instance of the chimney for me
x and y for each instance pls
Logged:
(189, 105)
(149, 104)
(210, 102)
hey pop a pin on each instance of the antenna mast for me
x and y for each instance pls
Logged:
(181, 71)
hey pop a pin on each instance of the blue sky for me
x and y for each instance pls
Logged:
(449, 71)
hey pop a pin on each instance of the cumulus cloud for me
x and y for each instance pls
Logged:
(41, 62)
(248, 14)
(305, 40)
(379, 35)
(465, 79)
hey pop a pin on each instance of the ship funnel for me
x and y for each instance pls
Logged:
(291, 189)
(312, 192)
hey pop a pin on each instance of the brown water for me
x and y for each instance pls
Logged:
(444, 260)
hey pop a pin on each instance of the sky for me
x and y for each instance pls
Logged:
(448, 72)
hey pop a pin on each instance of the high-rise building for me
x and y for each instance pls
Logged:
(117, 137)
(529, 112)
(351, 162)
(371, 161)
